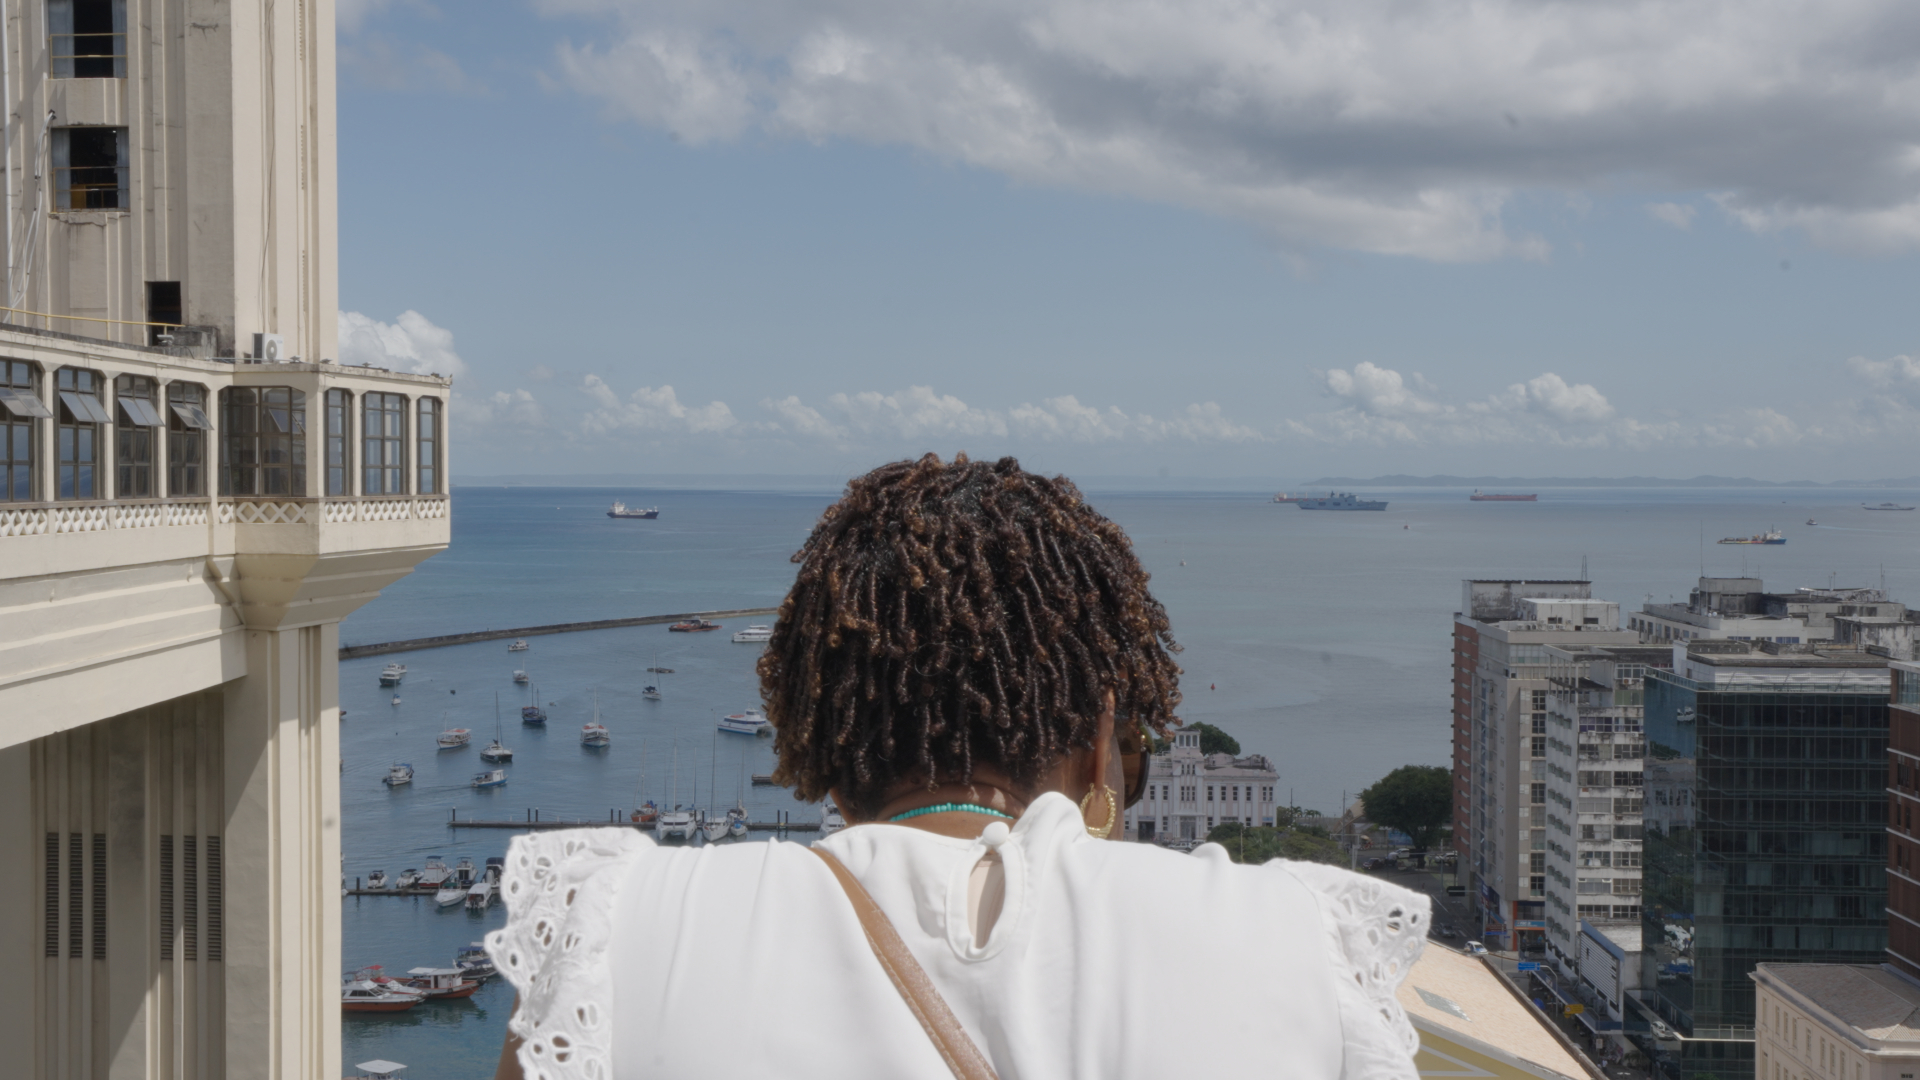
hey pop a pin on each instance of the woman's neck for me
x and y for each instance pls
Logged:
(963, 823)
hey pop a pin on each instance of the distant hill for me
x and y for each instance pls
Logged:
(1523, 484)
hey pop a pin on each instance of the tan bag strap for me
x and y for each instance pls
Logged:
(955, 1046)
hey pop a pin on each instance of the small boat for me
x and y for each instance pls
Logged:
(441, 984)
(661, 670)
(1479, 496)
(397, 774)
(1772, 537)
(392, 674)
(492, 778)
(830, 820)
(1810, 521)
(694, 626)
(454, 738)
(675, 824)
(372, 973)
(474, 962)
(532, 713)
(751, 722)
(486, 887)
(621, 510)
(646, 814)
(751, 634)
(365, 995)
(435, 873)
(737, 821)
(1885, 506)
(763, 779)
(520, 677)
(1283, 497)
(408, 879)
(713, 827)
(519, 645)
(651, 693)
(396, 699)
(594, 736)
(451, 892)
(496, 752)
(377, 879)
(1341, 501)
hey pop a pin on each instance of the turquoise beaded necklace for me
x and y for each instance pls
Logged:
(950, 807)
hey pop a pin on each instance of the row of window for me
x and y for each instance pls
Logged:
(1190, 792)
(262, 431)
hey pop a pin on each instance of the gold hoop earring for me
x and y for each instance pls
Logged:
(1113, 812)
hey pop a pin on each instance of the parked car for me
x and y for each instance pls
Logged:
(1474, 948)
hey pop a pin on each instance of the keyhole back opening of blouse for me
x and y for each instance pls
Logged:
(986, 897)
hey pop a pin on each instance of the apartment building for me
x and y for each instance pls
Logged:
(1835, 1022)
(1595, 743)
(1903, 837)
(1189, 792)
(192, 496)
(1501, 687)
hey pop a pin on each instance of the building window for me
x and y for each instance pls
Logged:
(20, 406)
(187, 427)
(339, 442)
(429, 450)
(81, 416)
(264, 444)
(383, 427)
(88, 38)
(90, 168)
(163, 306)
(133, 436)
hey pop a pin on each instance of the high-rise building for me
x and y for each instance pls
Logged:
(1903, 836)
(192, 496)
(1594, 746)
(1501, 636)
(1765, 832)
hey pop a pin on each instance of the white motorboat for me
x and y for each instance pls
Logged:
(397, 774)
(751, 722)
(435, 873)
(377, 879)
(474, 962)
(675, 824)
(830, 820)
(408, 879)
(365, 995)
(493, 778)
(520, 677)
(453, 738)
(519, 645)
(486, 887)
(751, 634)
(392, 674)
(737, 821)
(451, 892)
(714, 828)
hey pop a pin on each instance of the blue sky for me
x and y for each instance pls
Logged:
(1271, 239)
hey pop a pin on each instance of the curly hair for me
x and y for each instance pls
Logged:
(950, 614)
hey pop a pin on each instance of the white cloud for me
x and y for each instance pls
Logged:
(650, 410)
(410, 343)
(513, 408)
(1400, 129)
(1376, 404)
(919, 413)
(1897, 377)
(1678, 215)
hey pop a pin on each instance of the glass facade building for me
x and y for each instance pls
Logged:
(1765, 822)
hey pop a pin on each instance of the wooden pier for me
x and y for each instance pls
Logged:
(533, 822)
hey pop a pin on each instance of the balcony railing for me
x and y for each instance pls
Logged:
(41, 519)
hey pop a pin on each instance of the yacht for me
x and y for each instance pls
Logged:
(409, 878)
(753, 633)
(713, 827)
(751, 722)
(441, 984)
(474, 962)
(365, 995)
(377, 879)
(492, 778)
(519, 645)
(622, 510)
(435, 873)
(520, 677)
(392, 674)
(496, 750)
(737, 822)
(830, 820)
(593, 735)
(674, 824)
(532, 713)
(397, 774)
(454, 738)
(651, 693)
(451, 892)
(486, 887)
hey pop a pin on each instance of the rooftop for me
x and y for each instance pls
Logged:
(1872, 1000)
(1456, 999)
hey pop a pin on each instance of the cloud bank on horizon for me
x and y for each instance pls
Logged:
(1365, 405)
(1392, 129)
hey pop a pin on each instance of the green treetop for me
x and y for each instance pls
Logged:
(1414, 799)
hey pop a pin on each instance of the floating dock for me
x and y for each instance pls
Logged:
(348, 652)
(534, 822)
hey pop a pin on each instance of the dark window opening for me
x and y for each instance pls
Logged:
(81, 416)
(90, 168)
(187, 427)
(163, 306)
(339, 443)
(20, 405)
(139, 416)
(89, 38)
(429, 448)
(383, 429)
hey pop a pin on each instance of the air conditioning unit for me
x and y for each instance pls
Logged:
(269, 348)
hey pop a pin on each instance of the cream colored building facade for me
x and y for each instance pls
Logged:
(1835, 1022)
(181, 532)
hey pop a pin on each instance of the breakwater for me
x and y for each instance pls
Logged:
(348, 652)
(534, 822)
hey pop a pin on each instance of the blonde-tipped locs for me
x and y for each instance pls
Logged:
(947, 614)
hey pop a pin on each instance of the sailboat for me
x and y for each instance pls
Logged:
(496, 751)
(593, 734)
(737, 817)
(532, 713)
(675, 824)
(713, 827)
(650, 691)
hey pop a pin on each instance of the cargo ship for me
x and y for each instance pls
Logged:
(1770, 537)
(1479, 496)
(1283, 497)
(1341, 501)
(620, 510)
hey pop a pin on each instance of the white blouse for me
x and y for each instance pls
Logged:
(1107, 960)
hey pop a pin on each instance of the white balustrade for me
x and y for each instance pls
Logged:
(102, 517)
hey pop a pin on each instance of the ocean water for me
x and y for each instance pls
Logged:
(1320, 639)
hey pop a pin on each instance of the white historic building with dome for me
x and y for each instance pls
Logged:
(1188, 793)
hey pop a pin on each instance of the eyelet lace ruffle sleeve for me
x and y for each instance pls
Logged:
(1375, 932)
(559, 890)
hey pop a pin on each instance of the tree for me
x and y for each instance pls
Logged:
(1215, 741)
(1413, 799)
(1258, 843)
